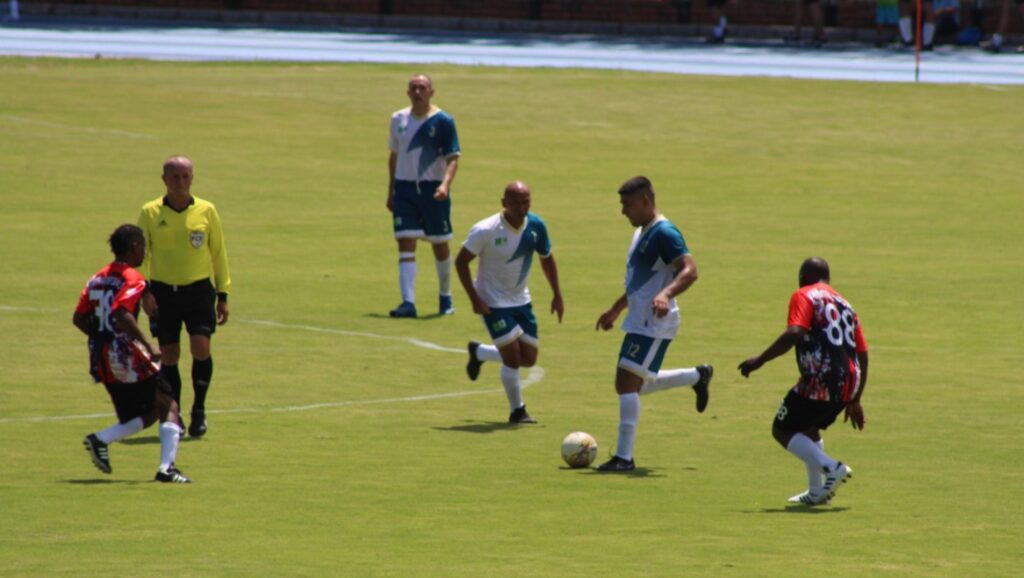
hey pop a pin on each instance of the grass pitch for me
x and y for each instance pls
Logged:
(913, 193)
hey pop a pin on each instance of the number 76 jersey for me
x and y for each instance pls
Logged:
(827, 355)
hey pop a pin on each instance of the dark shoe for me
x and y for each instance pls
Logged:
(445, 306)
(98, 452)
(473, 366)
(172, 476)
(701, 387)
(617, 464)
(198, 427)
(405, 309)
(520, 416)
(712, 39)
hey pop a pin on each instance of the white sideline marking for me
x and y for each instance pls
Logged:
(535, 375)
(61, 126)
(26, 309)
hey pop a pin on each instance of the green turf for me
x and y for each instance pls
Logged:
(913, 193)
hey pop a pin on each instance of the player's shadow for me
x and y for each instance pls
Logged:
(484, 427)
(429, 317)
(149, 440)
(800, 509)
(637, 473)
(97, 481)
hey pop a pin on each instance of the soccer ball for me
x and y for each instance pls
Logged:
(579, 449)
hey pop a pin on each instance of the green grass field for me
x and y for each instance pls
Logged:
(913, 193)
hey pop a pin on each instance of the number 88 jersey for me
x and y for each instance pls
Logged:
(827, 355)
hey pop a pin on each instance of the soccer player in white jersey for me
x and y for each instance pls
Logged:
(505, 244)
(658, 268)
(424, 158)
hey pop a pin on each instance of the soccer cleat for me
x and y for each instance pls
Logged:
(701, 387)
(405, 309)
(445, 306)
(519, 415)
(197, 429)
(98, 452)
(808, 499)
(473, 366)
(836, 477)
(617, 464)
(172, 476)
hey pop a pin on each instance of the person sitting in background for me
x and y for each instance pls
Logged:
(995, 44)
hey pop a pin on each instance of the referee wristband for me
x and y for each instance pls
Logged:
(222, 297)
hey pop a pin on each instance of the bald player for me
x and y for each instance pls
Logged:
(505, 244)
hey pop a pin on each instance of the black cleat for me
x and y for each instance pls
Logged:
(198, 427)
(98, 452)
(172, 476)
(701, 387)
(520, 416)
(617, 464)
(473, 366)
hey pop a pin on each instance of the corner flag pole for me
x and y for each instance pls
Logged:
(917, 44)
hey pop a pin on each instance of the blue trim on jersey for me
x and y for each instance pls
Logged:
(662, 241)
(436, 138)
(533, 240)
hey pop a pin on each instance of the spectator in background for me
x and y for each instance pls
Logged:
(908, 12)
(887, 13)
(995, 44)
(817, 16)
(720, 28)
(13, 15)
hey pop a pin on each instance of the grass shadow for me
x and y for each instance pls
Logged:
(637, 473)
(484, 427)
(150, 440)
(97, 481)
(799, 509)
(429, 317)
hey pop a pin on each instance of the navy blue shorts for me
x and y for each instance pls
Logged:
(418, 215)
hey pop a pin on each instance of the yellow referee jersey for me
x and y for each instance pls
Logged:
(185, 247)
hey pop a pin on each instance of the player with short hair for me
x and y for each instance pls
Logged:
(185, 249)
(833, 359)
(659, 267)
(424, 159)
(122, 358)
(505, 243)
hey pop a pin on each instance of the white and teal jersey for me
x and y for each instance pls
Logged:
(648, 271)
(505, 255)
(422, 144)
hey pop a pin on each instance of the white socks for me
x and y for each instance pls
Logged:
(670, 378)
(169, 432)
(488, 353)
(120, 430)
(905, 33)
(629, 416)
(407, 276)
(510, 379)
(997, 40)
(927, 34)
(815, 477)
(444, 276)
(804, 448)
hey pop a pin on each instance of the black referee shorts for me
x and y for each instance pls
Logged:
(193, 304)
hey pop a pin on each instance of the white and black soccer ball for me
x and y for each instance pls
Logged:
(579, 449)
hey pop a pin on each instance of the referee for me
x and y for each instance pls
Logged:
(187, 266)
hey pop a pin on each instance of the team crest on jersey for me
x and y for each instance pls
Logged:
(433, 131)
(197, 238)
(500, 241)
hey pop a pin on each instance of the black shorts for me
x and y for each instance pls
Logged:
(132, 400)
(716, 3)
(797, 413)
(194, 304)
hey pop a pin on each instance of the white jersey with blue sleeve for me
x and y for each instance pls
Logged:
(649, 270)
(505, 255)
(423, 144)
